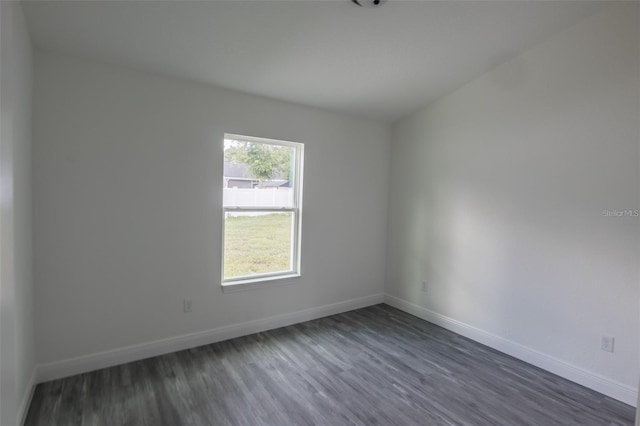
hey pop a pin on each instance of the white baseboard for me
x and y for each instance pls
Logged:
(96, 361)
(23, 409)
(601, 384)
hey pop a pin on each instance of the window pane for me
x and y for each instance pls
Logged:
(257, 243)
(258, 174)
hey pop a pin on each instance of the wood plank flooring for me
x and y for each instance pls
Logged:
(372, 366)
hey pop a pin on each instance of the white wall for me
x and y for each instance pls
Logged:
(128, 206)
(17, 347)
(496, 197)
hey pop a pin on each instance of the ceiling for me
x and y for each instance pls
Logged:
(380, 63)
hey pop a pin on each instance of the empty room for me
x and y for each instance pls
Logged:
(319, 212)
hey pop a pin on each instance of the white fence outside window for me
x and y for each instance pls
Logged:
(257, 197)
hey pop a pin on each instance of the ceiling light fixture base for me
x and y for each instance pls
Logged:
(368, 3)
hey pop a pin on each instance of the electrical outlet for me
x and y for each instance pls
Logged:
(187, 305)
(425, 287)
(607, 343)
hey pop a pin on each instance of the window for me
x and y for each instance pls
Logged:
(262, 198)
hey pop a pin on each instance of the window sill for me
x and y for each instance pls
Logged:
(256, 283)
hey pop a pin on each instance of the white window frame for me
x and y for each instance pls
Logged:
(256, 280)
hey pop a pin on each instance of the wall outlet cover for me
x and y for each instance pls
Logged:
(607, 343)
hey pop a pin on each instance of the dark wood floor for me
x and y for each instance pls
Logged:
(373, 366)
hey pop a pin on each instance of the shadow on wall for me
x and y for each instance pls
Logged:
(488, 257)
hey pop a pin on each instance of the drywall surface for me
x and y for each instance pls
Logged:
(128, 206)
(497, 197)
(17, 344)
